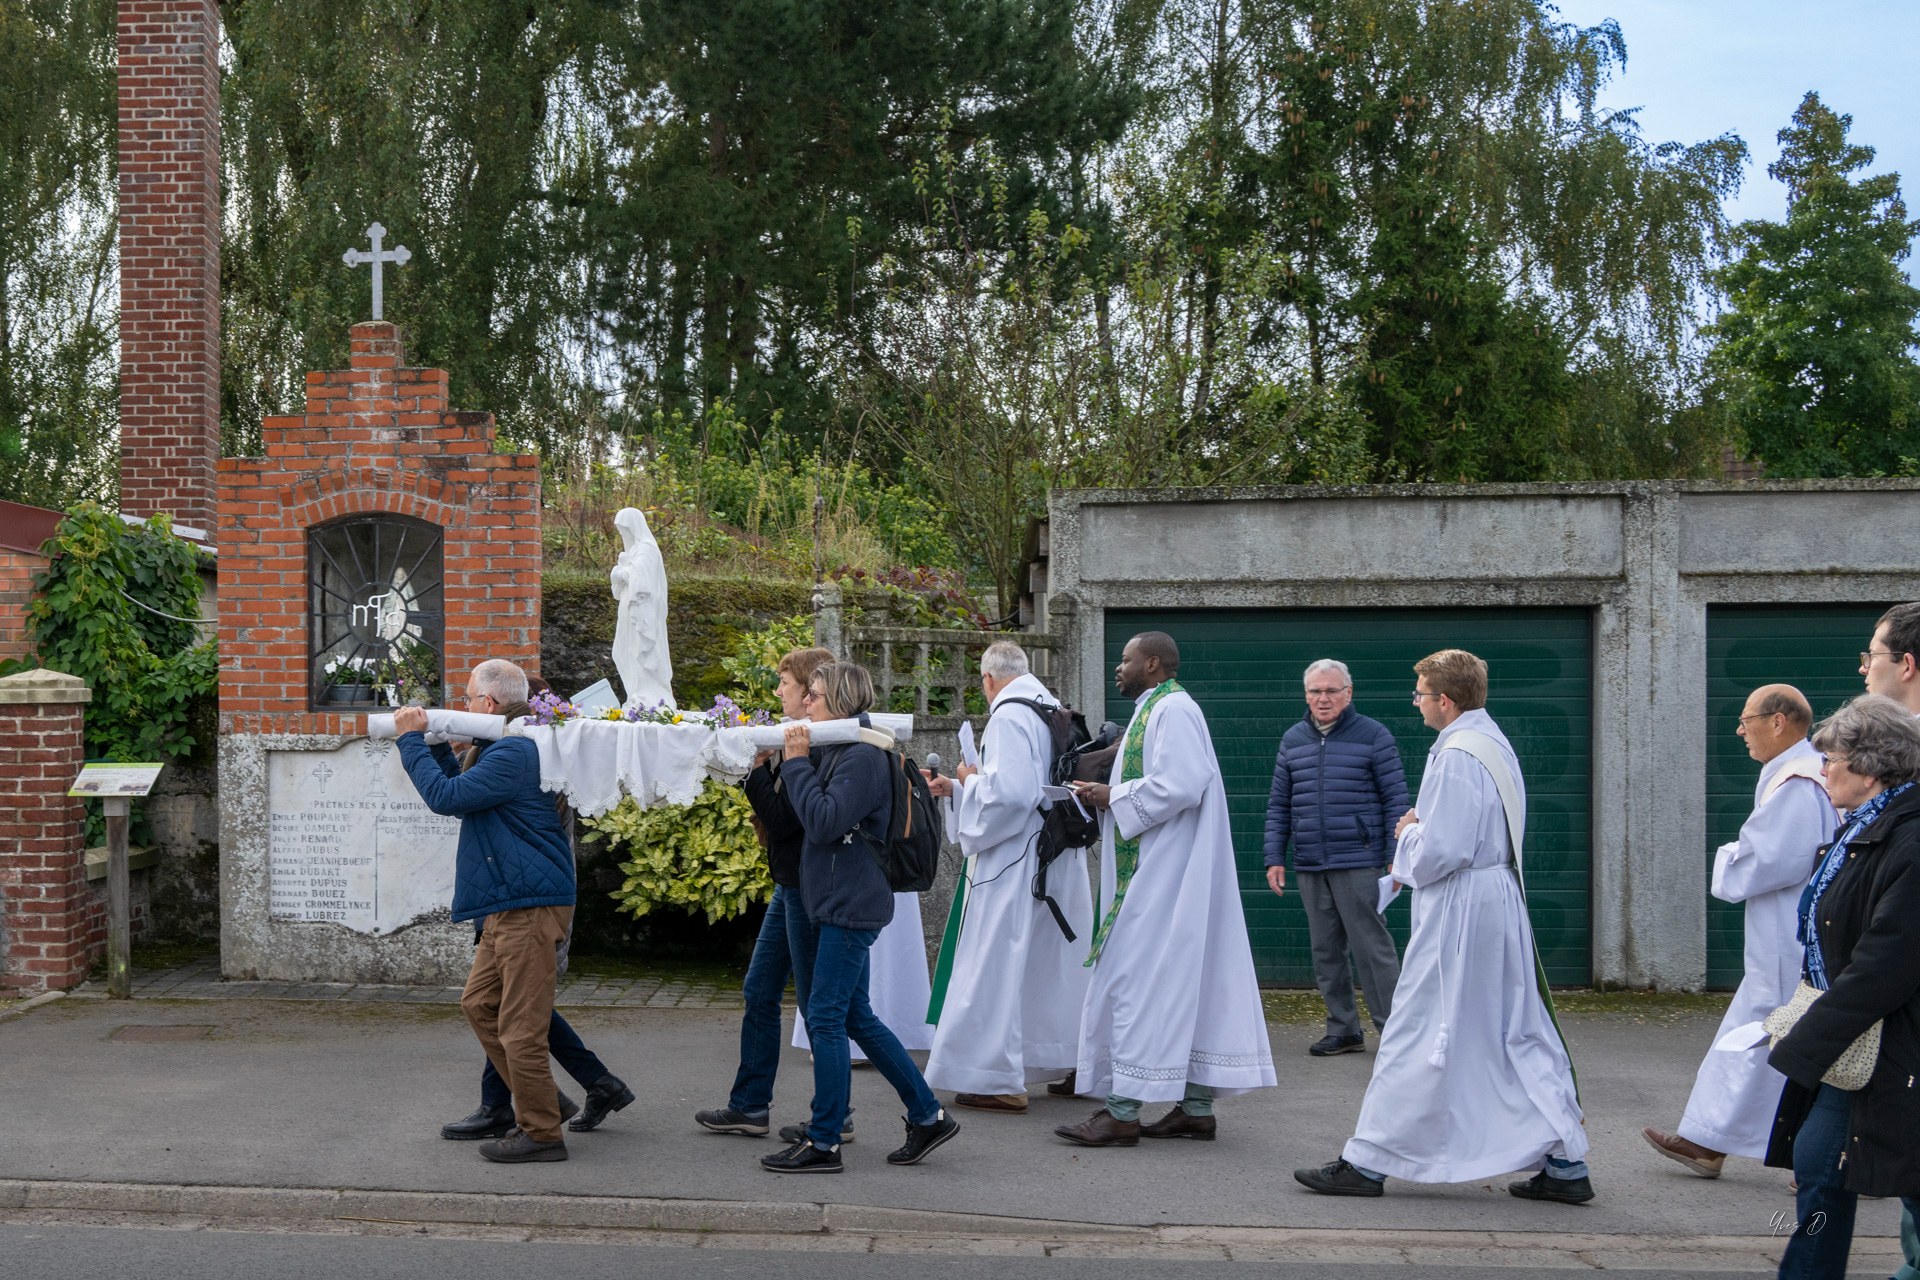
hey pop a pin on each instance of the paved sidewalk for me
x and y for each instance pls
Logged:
(195, 1103)
(581, 988)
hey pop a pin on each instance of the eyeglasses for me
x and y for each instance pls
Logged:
(1421, 695)
(812, 695)
(1829, 760)
(1867, 657)
(1328, 693)
(1758, 715)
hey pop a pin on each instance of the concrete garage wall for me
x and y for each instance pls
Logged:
(1646, 559)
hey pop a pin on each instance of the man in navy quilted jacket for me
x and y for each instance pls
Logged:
(514, 869)
(1338, 788)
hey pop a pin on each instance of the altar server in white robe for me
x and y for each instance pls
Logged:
(1735, 1094)
(898, 984)
(1173, 1010)
(1010, 985)
(1472, 1078)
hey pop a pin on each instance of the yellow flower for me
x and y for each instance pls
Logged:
(676, 717)
(613, 713)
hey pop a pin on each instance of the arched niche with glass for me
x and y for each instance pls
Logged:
(376, 608)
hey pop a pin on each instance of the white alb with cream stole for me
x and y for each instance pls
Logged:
(1011, 1014)
(1735, 1094)
(1472, 1078)
(1173, 998)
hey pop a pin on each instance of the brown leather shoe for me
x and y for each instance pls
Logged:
(1010, 1103)
(1691, 1155)
(1178, 1124)
(1065, 1088)
(1102, 1130)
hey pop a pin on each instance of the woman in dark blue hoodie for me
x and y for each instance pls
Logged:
(844, 798)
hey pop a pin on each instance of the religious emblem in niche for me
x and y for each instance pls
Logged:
(375, 612)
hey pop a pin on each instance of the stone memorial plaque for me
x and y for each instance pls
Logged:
(351, 843)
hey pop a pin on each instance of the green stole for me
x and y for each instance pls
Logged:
(1126, 853)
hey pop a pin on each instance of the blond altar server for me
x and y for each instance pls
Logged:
(1472, 1078)
(1734, 1096)
(1173, 1010)
(1010, 983)
(898, 985)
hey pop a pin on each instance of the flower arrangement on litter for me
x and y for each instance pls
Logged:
(725, 713)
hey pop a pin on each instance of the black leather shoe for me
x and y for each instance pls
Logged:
(487, 1122)
(923, 1138)
(802, 1157)
(518, 1148)
(1178, 1124)
(608, 1095)
(1542, 1187)
(568, 1107)
(1327, 1046)
(1339, 1179)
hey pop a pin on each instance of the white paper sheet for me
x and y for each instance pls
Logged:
(1741, 1038)
(969, 751)
(1057, 794)
(1389, 890)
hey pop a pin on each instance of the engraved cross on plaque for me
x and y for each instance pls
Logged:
(398, 256)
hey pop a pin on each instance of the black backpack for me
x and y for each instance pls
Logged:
(1062, 825)
(910, 855)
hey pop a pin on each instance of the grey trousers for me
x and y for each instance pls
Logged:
(1341, 916)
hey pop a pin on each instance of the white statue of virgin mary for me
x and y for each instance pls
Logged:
(640, 635)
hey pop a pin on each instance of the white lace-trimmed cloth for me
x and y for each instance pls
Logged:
(594, 763)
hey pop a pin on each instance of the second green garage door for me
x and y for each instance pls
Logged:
(1244, 667)
(1816, 649)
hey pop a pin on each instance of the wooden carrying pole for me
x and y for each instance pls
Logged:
(119, 930)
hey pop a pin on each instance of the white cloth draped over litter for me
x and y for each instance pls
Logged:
(1735, 1093)
(596, 762)
(898, 985)
(1172, 999)
(1471, 1079)
(1011, 1016)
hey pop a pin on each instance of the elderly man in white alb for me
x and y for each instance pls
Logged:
(1730, 1111)
(1173, 1011)
(1007, 1005)
(1472, 1078)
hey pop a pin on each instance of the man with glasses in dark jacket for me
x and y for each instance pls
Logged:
(1338, 788)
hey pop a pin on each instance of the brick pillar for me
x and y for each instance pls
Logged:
(169, 84)
(49, 931)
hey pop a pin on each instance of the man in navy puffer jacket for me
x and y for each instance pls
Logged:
(1338, 789)
(514, 869)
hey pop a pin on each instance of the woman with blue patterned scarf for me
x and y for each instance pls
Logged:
(1860, 921)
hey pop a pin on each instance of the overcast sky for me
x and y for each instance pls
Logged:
(1699, 68)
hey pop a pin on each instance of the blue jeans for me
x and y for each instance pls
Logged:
(838, 1008)
(785, 946)
(564, 1043)
(1823, 1233)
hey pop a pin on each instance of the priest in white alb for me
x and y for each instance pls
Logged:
(1472, 1078)
(1731, 1109)
(1173, 1010)
(1010, 982)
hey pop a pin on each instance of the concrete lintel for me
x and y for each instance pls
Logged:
(41, 687)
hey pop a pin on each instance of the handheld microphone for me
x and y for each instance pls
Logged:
(933, 763)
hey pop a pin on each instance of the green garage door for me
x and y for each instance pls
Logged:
(1244, 667)
(1816, 649)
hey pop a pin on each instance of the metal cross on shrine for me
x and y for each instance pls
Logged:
(398, 256)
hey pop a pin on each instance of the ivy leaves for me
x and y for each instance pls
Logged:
(114, 608)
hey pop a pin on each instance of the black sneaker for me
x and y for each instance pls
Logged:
(793, 1133)
(1327, 1046)
(1339, 1179)
(923, 1138)
(802, 1157)
(608, 1095)
(1542, 1186)
(727, 1120)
